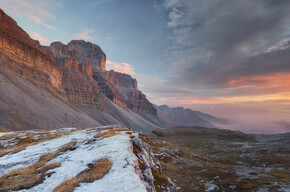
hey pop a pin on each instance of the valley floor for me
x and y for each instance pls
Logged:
(203, 159)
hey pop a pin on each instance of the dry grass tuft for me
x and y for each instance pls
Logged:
(48, 156)
(105, 128)
(14, 149)
(27, 177)
(67, 147)
(7, 136)
(4, 129)
(109, 132)
(93, 172)
(22, 142)
(49, 166)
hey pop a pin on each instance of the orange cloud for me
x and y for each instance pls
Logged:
(33, 7)
(31, 12)
(86, 34)
(120, 67)
(261, 81)
(38, 37)
(181, 101)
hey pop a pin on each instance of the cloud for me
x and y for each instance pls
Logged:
(29, 10)
(227, 49)
(39, 21)
(120, 67)
(85, 34)
(33, 7)
(38, 37)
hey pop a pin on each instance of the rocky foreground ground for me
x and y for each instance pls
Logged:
(107, 158)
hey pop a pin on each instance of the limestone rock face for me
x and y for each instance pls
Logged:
(84, 78)
(25, 56)
(122, 80)
(78, 61)
(64, 85)
(109, 89)
(128, 88)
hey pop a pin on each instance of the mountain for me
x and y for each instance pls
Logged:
(65, 85)
(178, 116)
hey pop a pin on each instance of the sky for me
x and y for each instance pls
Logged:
(223, 57)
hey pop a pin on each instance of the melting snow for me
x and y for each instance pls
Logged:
(121, 177)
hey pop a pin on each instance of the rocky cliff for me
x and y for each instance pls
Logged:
(84, 78)
(78, 61)
(64, 85)
(25, 56)
(128, 88)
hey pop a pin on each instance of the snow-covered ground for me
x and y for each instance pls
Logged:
(121, 177)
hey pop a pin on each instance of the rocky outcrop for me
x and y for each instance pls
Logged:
(122, 80)
(78, 62)
(84, 78)
(64, 85)
(109, 90)
(128, 88)
(145, 164)
(25, 56)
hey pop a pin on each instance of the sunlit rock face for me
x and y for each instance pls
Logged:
(78, 61)
(128, 88)
(25, 56)
(84, 78)
(64, 85)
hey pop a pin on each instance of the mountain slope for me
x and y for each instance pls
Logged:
(64, 86)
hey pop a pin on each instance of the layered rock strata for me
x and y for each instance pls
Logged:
(25, 56)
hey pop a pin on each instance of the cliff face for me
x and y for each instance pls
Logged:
(44, 87)
(128, 88)
(78, 61)
(84, 78)
(25, 56)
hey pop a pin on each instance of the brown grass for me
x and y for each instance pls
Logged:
(109, 133)
(89, 175)
(7, 136)
(23, 143)
(4, 129)
(27, 177)
(12, 150)
(281, 174)
(67, 147)
(48, 156)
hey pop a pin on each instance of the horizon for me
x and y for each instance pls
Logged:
(214, 57)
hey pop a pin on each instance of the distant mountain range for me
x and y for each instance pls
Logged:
(179, 116)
